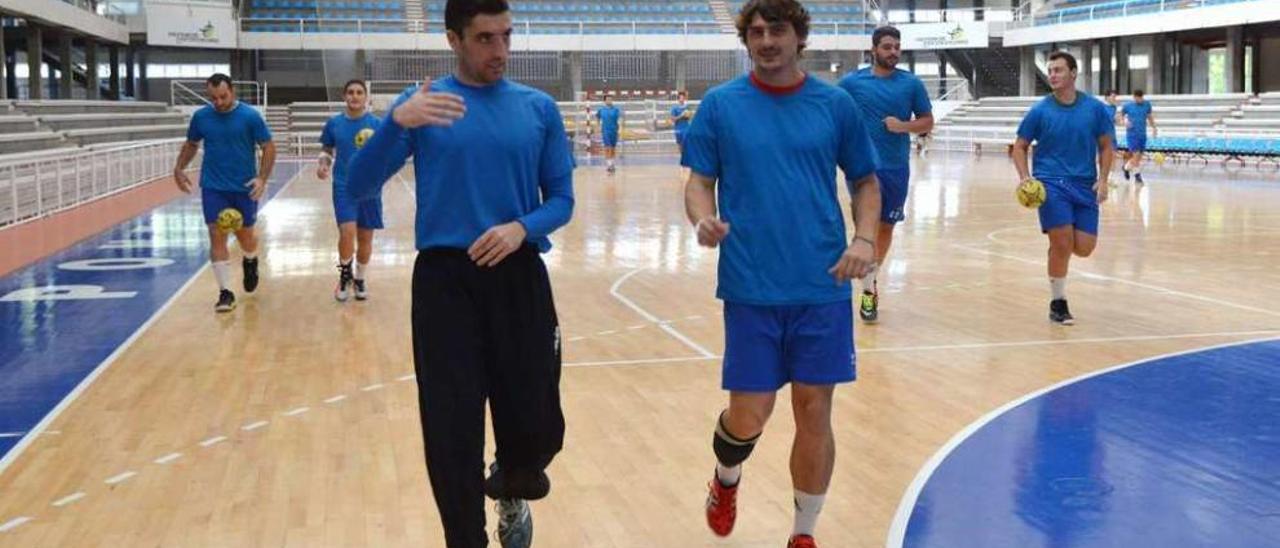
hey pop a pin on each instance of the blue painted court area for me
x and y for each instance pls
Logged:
(1176, 451)
(63, 316)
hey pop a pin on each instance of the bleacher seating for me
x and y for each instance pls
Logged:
(325, 15)
(826, 16)
(1071, 11)
(33, 126)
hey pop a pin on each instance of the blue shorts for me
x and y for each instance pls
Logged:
(768, 346)
(365, 213)
(680, 138)
(1069, 203)
(1137, 142)
(609, 139)
(893, 194)
(214, 201)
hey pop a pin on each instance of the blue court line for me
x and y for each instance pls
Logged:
(49, 349)
(1177, 450)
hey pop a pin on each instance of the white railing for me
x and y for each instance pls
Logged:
(371, 28)
(192, 92)
(1060, 14)
(36, 185)
(946, 89)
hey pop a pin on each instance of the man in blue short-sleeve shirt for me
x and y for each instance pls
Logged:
(1073, 134)
(231, 177)
(610, 117)
(341, 137)
(1137, 116)
(894, 104)
(493, 174)
(763, 152)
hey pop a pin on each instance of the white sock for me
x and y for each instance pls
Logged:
(869, 281)
(807, 509)
(610, 162)
(1059, 288)
(360, 268)
(728, 475)
(347, 261)
(251, 255)
(222, 271)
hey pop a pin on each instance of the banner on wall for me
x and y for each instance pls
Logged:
(960, 34)
(193, 25)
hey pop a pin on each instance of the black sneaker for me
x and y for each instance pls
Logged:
(521, 485)
(1059, 313)
(342, 291)
(515, 523)
(1125, 170)
(362, 292)
(869, 307)
(250, 274)
(1138, 177)
(226, 301)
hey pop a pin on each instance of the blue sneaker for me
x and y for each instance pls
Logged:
(515, 523)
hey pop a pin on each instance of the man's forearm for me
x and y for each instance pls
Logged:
(185, 156)
(699, 199)
(866, 207)
(268, 162)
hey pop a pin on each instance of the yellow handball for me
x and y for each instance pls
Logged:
(1159, 158)
(1031, 193)
(230, 220)
(363, 136)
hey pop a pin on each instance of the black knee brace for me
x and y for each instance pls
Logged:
(731, 451)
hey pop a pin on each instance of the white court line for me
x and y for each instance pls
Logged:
(650, 317)
(1155, 288)
(407, 378)
(964, 346)
(898, 529)
(68, 499)
(336, 399)
(120, 477)
(213, 441)
(12, 434)
(610, 332)
(254, 426)
(576, 339)
(296, 412)
(14, 523)
(372, 387)
(168, 458)
(405, 184)
(84, 384)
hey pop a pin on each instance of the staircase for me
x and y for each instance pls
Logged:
(278, 123)
(992, 71)
(724, 18)
(415, 15)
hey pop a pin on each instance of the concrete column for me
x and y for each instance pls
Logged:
(1123, 80)
(1156, 68)
(575, 73)
(1106, 77)
(942, 76)
(113, 78)
(361, 64)
(1235, 59)
(1086, 80)
(35, 62)
(681, 70)
(4, 67)
(1026, 71)
(143, 93)
(980, 13)
(130, 59)
(91, 70)
(68, 66)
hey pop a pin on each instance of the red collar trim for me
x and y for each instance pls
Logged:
(778, 90)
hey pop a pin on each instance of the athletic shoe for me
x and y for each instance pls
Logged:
(1126, 173)
(226, 301)
(250, 274)
(342, 291)
(1059, 313)
(802, 541)
(515, 523)
(722, 507)
(1138, 177)
(869, 307)
(362, 292)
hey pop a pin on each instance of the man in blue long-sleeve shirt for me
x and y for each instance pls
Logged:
(494, 174)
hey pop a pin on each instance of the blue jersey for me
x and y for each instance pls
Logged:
(1066, 137)
(609, 118)
(901, 95)
(508, 159)
(777, 186)
(230, 146)
(1137, 115)
(681, 123)
(1111, 110)
(346, 135)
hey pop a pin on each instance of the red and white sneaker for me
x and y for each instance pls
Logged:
(802, 541)
(722, 507)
